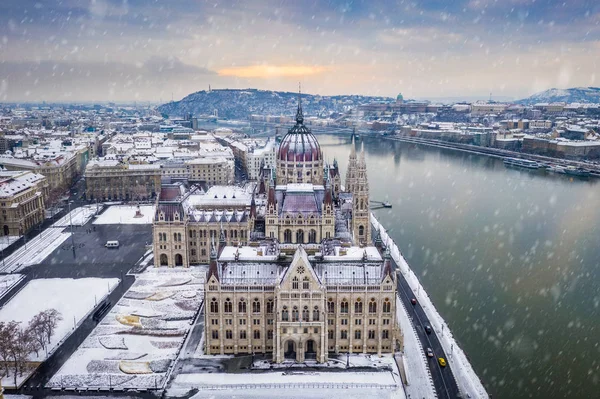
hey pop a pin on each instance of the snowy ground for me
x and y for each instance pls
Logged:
(468, 382)
(7, 281)
(312, 392)
(73, 298)
(39, 248)
(135, 345)
(282, 384)
(5, 241)
(339, 362)
(125, 214)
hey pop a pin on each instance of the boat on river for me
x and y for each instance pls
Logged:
(522, 163)
(573, 171)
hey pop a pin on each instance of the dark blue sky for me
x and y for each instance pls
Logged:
(152, 50)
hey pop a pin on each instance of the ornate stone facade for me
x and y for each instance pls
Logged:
(22, 201)
(305, 308)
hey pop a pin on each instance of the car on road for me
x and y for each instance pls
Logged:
(428, 329)
(429, 352)
(442, 361)
(413, 301)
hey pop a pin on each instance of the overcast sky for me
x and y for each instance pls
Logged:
(120, 50)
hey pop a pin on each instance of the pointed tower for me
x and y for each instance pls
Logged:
(361, 225)
(351, 171)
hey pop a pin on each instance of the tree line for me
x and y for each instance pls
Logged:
(17, 342)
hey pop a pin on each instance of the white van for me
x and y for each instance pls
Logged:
(112, 244)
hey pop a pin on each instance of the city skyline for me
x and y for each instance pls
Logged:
(135, 50)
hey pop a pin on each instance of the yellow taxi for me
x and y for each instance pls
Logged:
(442, 361)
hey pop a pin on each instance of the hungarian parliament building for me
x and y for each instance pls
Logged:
(293, 270)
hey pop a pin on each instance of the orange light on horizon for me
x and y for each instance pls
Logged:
(271, 71)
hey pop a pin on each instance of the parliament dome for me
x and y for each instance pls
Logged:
(299, 157)
(299, 144)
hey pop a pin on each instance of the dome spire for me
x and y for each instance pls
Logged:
(299, 114)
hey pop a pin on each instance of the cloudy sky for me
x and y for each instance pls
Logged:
(152, 50)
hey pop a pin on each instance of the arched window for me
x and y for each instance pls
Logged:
(361, 231)
(214, 306)
(242, 306)
(270, 306)
(387, 306)
(287, 236)
(358, 306)
(305, 284)
(256, 334)
(300, 236)
(256, 306)
(179, 237)
(228, 334)
(344, 306)
(242, 334)
(316, 313)
(269, 334)
(295, 313)
(312, 236)
(372, 306)
(284, 314)
(228, 306)
(295, 283)
(305, 314)
(330, 306)
(174, 236)
(356, 334)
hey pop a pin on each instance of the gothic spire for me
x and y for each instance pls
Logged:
(299, 114)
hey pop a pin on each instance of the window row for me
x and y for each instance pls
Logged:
(358, 306)
(285, 314)
(242, 306)
(371, 334)
(243, 334)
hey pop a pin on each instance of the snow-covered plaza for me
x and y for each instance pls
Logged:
(135, 345)
(126, 214)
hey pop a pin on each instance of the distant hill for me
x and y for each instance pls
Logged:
(572, 95)
(240, 104)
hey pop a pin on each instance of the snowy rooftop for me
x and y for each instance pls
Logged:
(221, 196)
(254, 273)
(355, 253)
(14, 182)
(260, 254)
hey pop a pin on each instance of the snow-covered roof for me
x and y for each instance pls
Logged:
(14, 182)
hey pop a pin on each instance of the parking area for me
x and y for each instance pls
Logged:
(86, 255)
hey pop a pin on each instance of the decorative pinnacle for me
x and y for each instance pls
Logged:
(299, 114)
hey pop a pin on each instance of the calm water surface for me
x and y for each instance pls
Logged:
(511, 258)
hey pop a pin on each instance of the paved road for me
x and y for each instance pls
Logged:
(445, 384)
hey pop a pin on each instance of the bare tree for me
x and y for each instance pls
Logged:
(37, 330)
(139, 193)
(8, 332)
(50, 319)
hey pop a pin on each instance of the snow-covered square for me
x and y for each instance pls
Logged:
(73, 298)
(135, 345)
(127, 214)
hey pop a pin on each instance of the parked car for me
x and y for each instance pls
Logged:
(442, 361)
(429, 352)
(413, 301)
(428, 329)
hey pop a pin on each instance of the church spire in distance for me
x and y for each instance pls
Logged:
(299, 114)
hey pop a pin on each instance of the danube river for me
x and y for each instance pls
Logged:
(511, 258)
